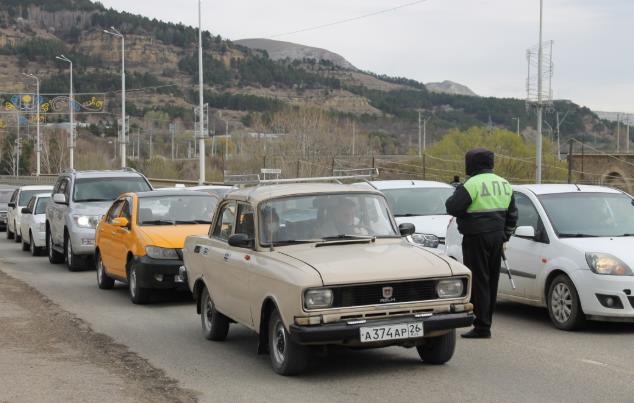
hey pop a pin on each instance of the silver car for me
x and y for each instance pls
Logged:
(79, 200)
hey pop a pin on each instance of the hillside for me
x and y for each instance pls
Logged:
(450, 87)
(246, 83)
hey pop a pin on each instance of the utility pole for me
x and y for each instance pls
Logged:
(172, 133)
(37, 117)
(71, 107)
(151, 136)
(540, 106)
(201, 134)
(618, 133)
(226, 139)
(420, 153)
(354, 135)
(17, 144)
(425, 134)
(518, 125)
(627, 145)
(122, 138)
(138, 144)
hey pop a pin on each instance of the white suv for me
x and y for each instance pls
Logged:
(572, 253)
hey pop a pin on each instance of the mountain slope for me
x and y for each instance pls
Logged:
(450, 87)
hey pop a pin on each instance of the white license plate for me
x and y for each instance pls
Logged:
(391, 332)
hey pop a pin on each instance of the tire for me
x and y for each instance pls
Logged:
(17, 238)
(287, 357)
(138, 295)
(35, 251)
(54, 257)
(103, 281)
(564, 307)
(438, 350)
(214, 324)
(72, 260)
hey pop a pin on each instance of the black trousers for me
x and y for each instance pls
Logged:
(482, 254)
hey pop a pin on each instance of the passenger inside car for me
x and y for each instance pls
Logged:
(270, 221)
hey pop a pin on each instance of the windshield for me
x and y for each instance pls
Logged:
(590, 214)
(418, 201)
(107, 189)
(26, 195)
(40, 208)
(177, 209)
(5, 195)
(319, 217)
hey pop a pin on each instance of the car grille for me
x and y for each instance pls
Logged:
(375, 294)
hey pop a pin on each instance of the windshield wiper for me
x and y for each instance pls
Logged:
(577, 236)
(343, 238)
(92, 200)
(407, 215)
(158, 222)
(294, 242)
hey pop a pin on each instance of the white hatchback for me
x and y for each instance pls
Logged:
(572, 252)
(421, 203)
(33, 223)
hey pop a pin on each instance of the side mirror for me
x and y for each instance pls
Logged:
(240, 241)
(406, 229)
(26, 210)
(525, 232)
(11, 205)
(59, 198)
(120, 222)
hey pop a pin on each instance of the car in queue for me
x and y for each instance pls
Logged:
(19, 200)
(80, 199)
(5, 197)
(319, 264)
(140, 239)
(33, 223)
(571, 253)
(421, 203)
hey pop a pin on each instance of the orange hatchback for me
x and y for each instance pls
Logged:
(140, 240)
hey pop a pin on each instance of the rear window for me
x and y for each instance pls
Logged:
(42, 202)
(107, 189)
(26, 195)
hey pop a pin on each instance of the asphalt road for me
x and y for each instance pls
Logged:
(527, 360)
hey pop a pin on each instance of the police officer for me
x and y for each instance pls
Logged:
(486, 215)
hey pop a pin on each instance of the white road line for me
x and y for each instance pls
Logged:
(592, 362)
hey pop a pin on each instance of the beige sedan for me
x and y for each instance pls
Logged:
(322, 264)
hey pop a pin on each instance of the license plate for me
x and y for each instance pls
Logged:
(391, 332)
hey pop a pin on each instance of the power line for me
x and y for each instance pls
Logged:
(346, 20)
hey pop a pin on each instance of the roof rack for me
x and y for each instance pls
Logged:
(364, 172)
(129, 169)
(241, 179)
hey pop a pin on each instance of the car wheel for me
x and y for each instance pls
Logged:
(54, 257)
(35, 251)
(17, 238)
(72, 261)
(103, 281)
(138, 295)
(438, 350)
(564, 307)
(287, 357)
(215, 325)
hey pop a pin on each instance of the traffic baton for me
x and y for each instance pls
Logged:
(508, 269)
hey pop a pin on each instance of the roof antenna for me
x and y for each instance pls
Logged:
(578, 188)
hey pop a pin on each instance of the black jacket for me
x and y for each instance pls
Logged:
(480, 161)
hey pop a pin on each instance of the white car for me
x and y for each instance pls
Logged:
(20, 198)
(421, 203)
(33, 223)
(218, 190)
(572, 252)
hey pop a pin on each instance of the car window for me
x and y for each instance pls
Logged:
(67, 189)
(62, 187)
(418, 201)
(244, 223)
(26, 195)
(114, 211)
(526, 213)
(31, 203)
(5, 196)
(57, 185)
(42, 202)
(14, 196)
(194, 208)
(126, 210)
(108, 188)
(226, 220)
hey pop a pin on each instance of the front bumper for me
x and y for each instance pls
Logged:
(157, 273)
(621, 287)
(39, 239)
(348, 332)
(83, 240)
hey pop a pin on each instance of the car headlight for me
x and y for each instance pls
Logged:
(450, 288)
(318, 298)
(427, 240)
(604, 263)
(86, 221)
(156, 252)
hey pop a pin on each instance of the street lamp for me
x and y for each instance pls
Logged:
(422, 140)
(37, 117)
(201, 134)
(518, 125)
(122, 138)
(71, 107)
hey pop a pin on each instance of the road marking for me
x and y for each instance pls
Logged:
(592, 362)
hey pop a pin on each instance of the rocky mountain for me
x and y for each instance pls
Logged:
(280, 50)
(450, 87)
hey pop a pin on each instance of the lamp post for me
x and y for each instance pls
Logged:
(71, 107)
(37, 117)
(540, 106)
(122, 138)
(518, 125)
(201, 134)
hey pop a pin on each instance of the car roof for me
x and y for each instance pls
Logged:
(405, 184)
(104, 174)
(36, 187)
(265, 192)
(211, 187)
(544, 189)
(163, 193)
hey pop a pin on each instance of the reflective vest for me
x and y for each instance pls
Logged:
(489, 193)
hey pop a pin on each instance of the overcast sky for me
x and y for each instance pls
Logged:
(479, 43)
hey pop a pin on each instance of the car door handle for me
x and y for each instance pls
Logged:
(197, 249)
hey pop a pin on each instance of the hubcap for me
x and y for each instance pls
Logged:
(32, 245)
(69, 253)
(50, 245)
(209, 313)
(99, 269)
(561, 302)
(279, 342)
(133, 283)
